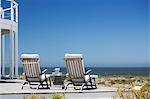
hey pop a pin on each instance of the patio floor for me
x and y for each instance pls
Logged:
(14, 87)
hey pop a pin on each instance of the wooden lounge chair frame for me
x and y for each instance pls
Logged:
(32, 71)
(77, 74)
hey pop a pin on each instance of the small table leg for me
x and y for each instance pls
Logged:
(49, 81)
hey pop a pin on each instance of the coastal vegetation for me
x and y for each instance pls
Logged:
(131, 93)
(137, 89)
(37, 96)
(143, 93)
(125, 86)
(116, 81)
(34, 96)
(58, 96)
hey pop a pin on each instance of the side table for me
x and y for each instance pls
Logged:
(58, 80)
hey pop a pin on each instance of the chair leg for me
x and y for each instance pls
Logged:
(47, 83)
(24, 84)
(67, 85)
(91, 83)
(95, 83)
(83, 86)
(39, 85)
(63, 86)
(95, 86)
(42, 85)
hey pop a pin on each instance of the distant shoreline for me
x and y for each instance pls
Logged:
(104, 71)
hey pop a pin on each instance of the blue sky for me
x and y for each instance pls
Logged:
(106, 32)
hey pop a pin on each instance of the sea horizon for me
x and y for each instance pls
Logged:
(101, 71)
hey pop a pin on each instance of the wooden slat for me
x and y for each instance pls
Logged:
(72, 58)
(74, 67)
(31, 67)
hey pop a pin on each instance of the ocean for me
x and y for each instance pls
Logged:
(104, 71)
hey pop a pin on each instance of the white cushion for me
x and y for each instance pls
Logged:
(43, 76)
(94, 76)
(73, 56)
(29, 56)
(87, 77)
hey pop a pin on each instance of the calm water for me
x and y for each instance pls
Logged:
(105, 71)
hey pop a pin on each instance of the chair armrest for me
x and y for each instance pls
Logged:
(44, 71)
(88, 71)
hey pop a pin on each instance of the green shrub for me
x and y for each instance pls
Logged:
(57, 96)
(22, 77)
(33, 96)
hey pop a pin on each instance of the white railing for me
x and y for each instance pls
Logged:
(10, 13)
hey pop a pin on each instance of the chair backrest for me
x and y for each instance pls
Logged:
(31, 65)
(75, 66)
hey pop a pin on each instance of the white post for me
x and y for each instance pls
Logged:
(0, 39)
(16, 42)
(16, 53)
(3, 54)
(3, 15)
(12, 10)
(16, 13)
(0, 52)
(12, 53)
(0, 10)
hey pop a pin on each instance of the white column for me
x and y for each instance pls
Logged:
(3, 54)
(0, 39)
(12, 11)
(0, 53)
(0, 3)
(11, 53)
(16, 44)
(16, 53)
(0, 8)
(3, 15)
(16, 13)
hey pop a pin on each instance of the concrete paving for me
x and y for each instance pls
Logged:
(13, 89)
(106, 95)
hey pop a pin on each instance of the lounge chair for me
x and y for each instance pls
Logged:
(76, 72)
(32, 71)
